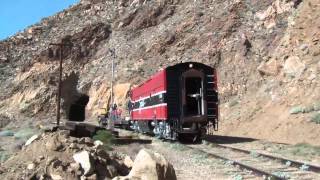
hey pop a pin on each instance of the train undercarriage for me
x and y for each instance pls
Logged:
(168, 130)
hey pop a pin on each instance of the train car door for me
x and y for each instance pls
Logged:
(193, 103)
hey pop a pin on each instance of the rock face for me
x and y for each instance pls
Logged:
(150, 166)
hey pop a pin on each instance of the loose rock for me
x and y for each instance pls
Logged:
(151, 166)
(30, 140)
(294, 66)
(84, 159)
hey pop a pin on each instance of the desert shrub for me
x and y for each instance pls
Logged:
(3, 156)
(316, 106)
(237, 177)
(6, 133)
(106, 137)
(316, 118)
(233, 103)
(304, 149)
(24, 133)
(4, 120)
(296, 110)
(308, 109)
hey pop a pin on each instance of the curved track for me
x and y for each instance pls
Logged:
(257, 164)
(240, 165)
(264, 165)
(292, 163)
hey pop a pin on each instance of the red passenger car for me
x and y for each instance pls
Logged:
(179, 100)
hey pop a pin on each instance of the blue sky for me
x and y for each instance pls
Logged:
(16, 15)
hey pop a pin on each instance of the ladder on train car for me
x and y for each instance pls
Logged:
(212, 103)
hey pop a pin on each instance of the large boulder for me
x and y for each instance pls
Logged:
(150, 166)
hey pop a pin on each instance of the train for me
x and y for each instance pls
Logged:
(180, 101)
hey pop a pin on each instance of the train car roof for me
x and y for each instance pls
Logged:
(150, 78)
(192, 63)
(173, 67)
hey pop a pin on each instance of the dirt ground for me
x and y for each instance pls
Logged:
(267, 120)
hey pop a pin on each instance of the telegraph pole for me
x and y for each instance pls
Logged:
(61, 46)
(113, 55)
(111, 118)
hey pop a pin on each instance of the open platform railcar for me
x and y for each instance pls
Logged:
(177, 101)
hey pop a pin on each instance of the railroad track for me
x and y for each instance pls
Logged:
(288, 162)
(257, 164)
(263, 165)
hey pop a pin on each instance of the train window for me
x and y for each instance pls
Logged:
(136, 105)
(147, 102)
(142, 104)
(161, 99)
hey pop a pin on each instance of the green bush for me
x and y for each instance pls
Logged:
(304, 149)
(316, 118)
(106, 137)
(305, 109)
(308, 109)
(316, 106)
(296, 110)
(24, 133)
(233, 103)
(4, 156)
(6, 133)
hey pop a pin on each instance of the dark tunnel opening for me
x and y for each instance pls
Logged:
(77, 110)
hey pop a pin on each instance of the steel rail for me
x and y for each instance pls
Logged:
(293, 163)
(254, 170)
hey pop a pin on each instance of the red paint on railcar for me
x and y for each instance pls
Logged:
(158, 112)
(155, 85)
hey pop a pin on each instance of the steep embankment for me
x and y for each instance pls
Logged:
(266, 53)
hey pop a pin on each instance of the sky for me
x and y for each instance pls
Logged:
(16, 15)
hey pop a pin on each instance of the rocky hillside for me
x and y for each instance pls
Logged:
(266, 52)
